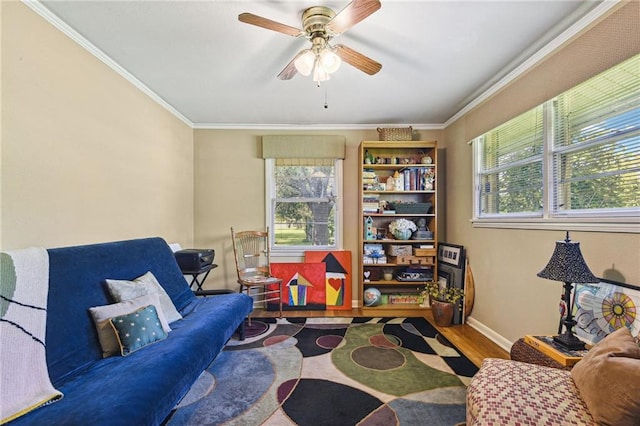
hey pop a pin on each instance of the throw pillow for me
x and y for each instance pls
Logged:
(103, 314)
(138, 329)
(122, 290)
(608, 379)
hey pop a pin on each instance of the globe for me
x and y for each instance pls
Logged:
(372, 296)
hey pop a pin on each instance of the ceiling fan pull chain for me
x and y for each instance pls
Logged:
(326, 102)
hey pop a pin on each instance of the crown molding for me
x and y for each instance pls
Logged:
(45, 13)
(248, 126)
(585, 22)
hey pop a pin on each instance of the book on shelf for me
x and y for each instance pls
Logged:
(547, 346)
(371, 203)
(416, 179)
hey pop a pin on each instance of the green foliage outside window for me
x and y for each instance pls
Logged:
(590, 138)
(305, 206)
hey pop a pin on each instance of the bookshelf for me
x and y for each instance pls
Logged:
(397, 182)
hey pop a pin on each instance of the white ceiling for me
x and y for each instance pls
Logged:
(214, 71)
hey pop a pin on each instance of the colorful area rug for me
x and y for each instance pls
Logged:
(332, 371)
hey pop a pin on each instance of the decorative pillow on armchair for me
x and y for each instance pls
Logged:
(122, 290)
(608, 379)
(138, 329)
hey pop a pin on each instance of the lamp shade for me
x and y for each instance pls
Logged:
(305, 61)
(329, 60)
(319, 73)
(567, 264)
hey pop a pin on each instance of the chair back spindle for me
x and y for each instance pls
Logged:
(252, 258)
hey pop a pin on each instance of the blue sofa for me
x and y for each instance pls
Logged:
(143, 387)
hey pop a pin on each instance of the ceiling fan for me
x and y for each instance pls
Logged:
(320, 24)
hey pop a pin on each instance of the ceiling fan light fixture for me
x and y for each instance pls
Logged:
(329, 60)
(319, 73)
(304, 63)
(320, 25)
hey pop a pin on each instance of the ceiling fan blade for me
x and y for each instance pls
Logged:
(353, 13)
(356, 59)
(250, 18)
(290, 70)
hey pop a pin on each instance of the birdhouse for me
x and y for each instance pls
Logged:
(369, 230)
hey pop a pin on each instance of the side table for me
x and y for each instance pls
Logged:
(523, 352)
(195, 275)
(195, 279)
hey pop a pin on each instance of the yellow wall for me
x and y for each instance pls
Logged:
(230, 185)
(510, 299)
(86, 156)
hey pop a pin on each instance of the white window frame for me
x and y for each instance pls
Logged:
(270, 200)
(621, 220)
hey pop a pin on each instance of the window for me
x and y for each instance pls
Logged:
(596, 152)
(510, 172)
(304, 192)
(303, 204)
(575, 157)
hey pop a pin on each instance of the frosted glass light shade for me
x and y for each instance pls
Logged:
(304, 62)
(319, 73)
(330, 61)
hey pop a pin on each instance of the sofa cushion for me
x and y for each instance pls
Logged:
(138, 329)
(103, 314)
(143, 387)
(76, 283)
(505, 392)
(608, 379)
(122, 290)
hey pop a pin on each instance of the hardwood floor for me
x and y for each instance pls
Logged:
(470, 342)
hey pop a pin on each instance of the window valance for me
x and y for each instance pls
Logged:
(303, 146)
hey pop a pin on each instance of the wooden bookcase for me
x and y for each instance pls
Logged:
(411, 193)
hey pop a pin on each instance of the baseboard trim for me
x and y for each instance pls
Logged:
(489, 333)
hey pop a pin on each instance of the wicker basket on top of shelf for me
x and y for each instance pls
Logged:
(395, 133)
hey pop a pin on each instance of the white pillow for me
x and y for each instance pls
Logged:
(122, 290)
(103, 314)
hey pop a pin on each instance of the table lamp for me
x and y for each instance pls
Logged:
(568, 265)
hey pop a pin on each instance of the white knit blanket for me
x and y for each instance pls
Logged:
(24, 378)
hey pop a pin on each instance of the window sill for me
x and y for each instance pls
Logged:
(619, 225)
(296, 252)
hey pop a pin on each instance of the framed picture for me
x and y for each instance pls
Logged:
(451, 271)
(599, 309)
(443, 280)
(451, 254)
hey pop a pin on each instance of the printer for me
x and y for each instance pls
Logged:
(194, 259)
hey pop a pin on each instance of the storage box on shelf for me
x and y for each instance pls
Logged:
(398, 181)
(413, 260)
(400, 250)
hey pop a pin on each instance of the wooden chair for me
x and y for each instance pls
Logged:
(252, 256)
